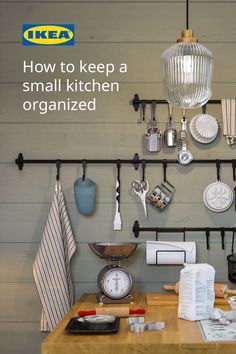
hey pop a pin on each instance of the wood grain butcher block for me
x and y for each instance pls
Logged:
(154, 299)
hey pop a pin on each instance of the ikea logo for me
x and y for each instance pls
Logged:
(48, 34)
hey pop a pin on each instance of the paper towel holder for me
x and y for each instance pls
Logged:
(137, 229)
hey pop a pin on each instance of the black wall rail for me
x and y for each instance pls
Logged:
(137, 102)
(136, 161)
(137, 229)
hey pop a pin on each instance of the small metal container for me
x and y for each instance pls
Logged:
(153, 139)
(170, 135)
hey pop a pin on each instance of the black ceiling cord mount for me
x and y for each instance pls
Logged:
(137, 229)
(137, 102)
(136, 161)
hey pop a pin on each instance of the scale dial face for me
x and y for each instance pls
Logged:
(116, 282)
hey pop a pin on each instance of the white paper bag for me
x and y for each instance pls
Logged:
(196, 291)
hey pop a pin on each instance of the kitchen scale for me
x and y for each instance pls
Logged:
(113, 280)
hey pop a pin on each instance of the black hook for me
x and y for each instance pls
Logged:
(143, 169)
(184, 235)
(156, 234)
(222, 232)
(154, 111)
(234, 166)
(143, 104)
(58, 165)
(232, 246)
(207, 238)
(164, 169)
(84, 164)
(118, 163)
(218, 169)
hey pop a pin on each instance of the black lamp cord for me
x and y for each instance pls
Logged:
(187, 14)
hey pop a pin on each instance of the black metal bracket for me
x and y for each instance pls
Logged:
(137, 102)
(137, 229)
(20, 161)
(136, 161)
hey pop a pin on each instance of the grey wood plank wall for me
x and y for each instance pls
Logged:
(135, 32)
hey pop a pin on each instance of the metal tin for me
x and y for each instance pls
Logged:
(170, 135)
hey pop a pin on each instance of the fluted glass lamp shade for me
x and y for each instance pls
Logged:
(187, 68)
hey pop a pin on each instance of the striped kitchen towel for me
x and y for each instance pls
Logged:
(51, 268)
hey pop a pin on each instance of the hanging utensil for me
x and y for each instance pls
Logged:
(184, 155)
(170, 133)
(232, 121)
(218, 196)
(204, 127)
(85, 193)
(228, 115)
(141, 188)
(162, 194)
(153, 134)
(228, 118)
(117, 219)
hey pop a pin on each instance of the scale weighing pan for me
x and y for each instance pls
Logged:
(114, 251)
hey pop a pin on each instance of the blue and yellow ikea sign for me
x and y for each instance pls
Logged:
(48, 35)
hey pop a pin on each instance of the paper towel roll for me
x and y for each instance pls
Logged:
(165, 252)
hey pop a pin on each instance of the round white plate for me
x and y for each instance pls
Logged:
(206, 126)
(218, 197)
(197, 136)
(195, 133)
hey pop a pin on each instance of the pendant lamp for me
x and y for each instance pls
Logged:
(187, 69)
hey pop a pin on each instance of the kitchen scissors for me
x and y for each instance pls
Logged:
(141, 188)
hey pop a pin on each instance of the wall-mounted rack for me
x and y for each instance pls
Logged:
(137, 229)
(136, 161)
(137, 102)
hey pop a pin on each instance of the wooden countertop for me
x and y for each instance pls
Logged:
(179, 336)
